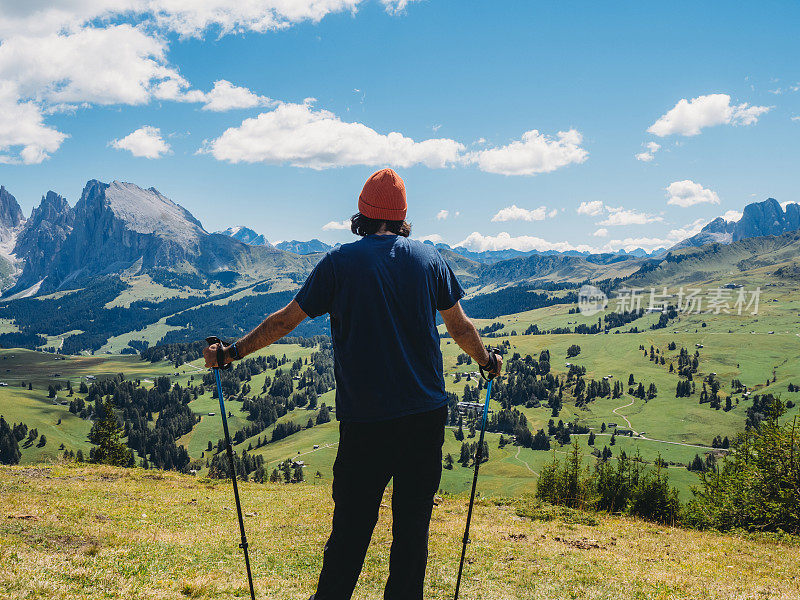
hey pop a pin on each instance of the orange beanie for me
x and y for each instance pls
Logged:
(383, 197)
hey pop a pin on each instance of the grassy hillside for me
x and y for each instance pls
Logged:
(734, 347)
(70, 532)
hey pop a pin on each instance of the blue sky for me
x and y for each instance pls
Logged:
(518, 124)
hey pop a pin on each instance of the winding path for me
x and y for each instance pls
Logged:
(516, 456)
(642, 437)
(624, 417)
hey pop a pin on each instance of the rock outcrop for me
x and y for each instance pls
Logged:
(43, 236)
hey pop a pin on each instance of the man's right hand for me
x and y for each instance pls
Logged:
(493, 365)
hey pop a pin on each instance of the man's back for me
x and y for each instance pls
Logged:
(382, 293)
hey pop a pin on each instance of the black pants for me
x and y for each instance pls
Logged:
(409, 450)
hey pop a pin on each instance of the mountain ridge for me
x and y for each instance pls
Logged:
(118, 228)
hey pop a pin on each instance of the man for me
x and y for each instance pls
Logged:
(382, 293)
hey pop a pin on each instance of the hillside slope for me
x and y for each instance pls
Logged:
(83, 532)
(771, 255)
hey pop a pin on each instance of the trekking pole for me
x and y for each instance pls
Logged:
(220, 361)
(478, 457)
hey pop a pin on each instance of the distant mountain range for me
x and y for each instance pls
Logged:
(120, 228)
(248, 236)
(133, 268)
(758, 219)
(309, 247)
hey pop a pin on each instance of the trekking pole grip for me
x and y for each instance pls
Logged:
(211, 340)
(490, 371)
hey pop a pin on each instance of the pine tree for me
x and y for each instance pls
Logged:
(106, 435)
(9, 446)
(591, 438)
(465, 455)
(459, 433)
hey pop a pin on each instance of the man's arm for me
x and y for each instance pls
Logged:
(466, 336)
(273, 328)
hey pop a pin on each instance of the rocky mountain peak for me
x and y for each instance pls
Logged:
(10, 212)
(719, 225)
(145, 210)
(53, 207)
(245, 235)
(767, 218)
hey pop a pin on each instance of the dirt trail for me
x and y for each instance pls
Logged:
(516, 457)
(624, 417)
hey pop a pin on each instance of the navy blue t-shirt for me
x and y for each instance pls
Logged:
(382, 293)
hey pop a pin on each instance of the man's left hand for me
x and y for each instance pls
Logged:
(210, 354)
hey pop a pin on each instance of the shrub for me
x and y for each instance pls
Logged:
(757, 485)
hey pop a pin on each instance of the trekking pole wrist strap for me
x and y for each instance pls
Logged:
(489, 371)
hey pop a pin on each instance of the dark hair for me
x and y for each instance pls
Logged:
(361, 225)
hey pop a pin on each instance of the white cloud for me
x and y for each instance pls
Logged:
(434, 237)
(503, 241)
(593, 208)
(145, 142)
(298, 135)
(119, 64)
(689, 117)
(693, 228)
(688, 193)
(69, 54)
(185, 18)
(652, 243)
(534, 153)
(796, 118)
(648, 154)
(23, 134)
(515, 213)
(733, 215)
(302, 136)
(552, 213)
(442, 215)
(226, 96)
(623, 216)
(336, 225)
(234, 16)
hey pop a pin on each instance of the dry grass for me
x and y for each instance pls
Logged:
(82, 532)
